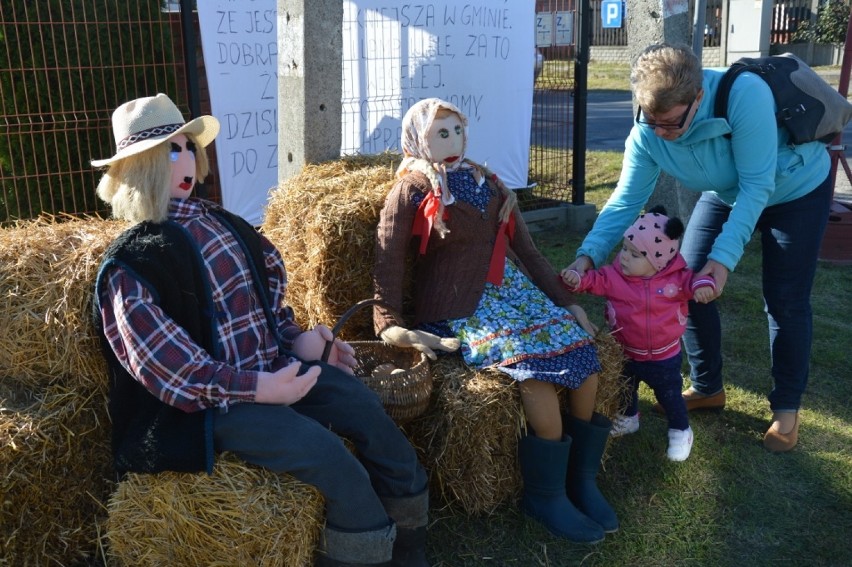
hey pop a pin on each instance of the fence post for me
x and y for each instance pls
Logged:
(581, 74)
(190, 60)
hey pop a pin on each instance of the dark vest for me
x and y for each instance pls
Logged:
(148, 435)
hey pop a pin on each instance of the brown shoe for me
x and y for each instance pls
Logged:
(778, 442)
(698, 401)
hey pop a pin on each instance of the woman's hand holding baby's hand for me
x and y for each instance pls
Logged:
(570, 277)
(704, 294)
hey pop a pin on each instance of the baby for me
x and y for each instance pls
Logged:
(647, 288)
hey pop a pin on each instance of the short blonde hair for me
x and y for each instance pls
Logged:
(137, 187)
(665, 76)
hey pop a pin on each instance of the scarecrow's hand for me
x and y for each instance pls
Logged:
(425, 342)
(285, 385)
(311, 344)
(580, 314)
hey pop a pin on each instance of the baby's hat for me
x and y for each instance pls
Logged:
(656, 236)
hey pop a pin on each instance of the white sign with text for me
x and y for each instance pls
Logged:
(479, 56)
(240, 44)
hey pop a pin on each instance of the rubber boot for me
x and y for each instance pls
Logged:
(587, 448)
(411, 514)
(543, 464)
(343, 548)
(409, 550)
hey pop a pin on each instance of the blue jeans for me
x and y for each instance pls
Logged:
(302, 440)
(663, 377)
(790, 236)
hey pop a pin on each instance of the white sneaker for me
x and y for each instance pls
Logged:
(624, 424)
(680, 444)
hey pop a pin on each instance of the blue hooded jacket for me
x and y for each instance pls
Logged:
(755, 168)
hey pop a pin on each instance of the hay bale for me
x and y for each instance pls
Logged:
(47, 275)
(612, 391)
(324, 223)
(239, 515)
(54, 473)
(469, 437)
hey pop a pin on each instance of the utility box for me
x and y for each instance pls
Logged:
(749, 26)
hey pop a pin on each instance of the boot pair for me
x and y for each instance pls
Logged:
(560, 490)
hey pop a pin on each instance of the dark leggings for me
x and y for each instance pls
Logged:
(664, 378)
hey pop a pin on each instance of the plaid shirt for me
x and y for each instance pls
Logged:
(164, 358)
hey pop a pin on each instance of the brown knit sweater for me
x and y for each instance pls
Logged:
(449, 279)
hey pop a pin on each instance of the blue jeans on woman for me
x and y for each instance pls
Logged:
(790, 236)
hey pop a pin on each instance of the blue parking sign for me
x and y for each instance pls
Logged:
(611, 13)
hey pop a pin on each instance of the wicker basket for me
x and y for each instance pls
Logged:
(406, 393)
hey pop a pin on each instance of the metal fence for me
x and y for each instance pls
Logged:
(64, 67)
(66, 64)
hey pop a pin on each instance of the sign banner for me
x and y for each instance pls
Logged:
(240, 44)
(478, 55)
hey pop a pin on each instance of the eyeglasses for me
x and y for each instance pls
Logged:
(668, 126)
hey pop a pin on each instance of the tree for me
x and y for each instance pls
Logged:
(830, 25)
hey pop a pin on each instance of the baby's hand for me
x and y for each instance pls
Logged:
(704, 294)
(570, 277)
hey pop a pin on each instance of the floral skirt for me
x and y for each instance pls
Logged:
(520, 331)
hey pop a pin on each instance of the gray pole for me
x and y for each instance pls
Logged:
(310, 86)
(698, 22)
(647, 23)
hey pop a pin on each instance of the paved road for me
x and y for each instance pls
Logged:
(609, 119)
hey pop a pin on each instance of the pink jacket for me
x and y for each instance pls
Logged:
(646, 315)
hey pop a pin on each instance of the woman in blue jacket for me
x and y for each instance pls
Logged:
(750, 177)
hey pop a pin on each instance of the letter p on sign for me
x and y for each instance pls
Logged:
(611, 13)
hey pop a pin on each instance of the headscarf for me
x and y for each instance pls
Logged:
(417, 157)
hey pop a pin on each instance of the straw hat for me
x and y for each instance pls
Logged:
(143, 123)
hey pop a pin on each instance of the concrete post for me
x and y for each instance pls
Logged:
(310, 71)
(648, 22)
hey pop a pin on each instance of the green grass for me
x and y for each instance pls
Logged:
(731, 503)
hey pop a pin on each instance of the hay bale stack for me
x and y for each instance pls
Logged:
(54, 429)
(612, 392)
(324, 223)
(47, 274)
(469, 437)
(54, 473)
(239, 515)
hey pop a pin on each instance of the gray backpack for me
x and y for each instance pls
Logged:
(808, 107)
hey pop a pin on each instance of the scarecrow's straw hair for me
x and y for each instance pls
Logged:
(239, 515)
(47, 274)
(54, 468)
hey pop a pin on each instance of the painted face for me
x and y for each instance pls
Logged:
(633, 262)
(446, 138)
(182, 158)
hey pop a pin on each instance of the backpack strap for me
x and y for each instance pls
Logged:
(720, 104)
